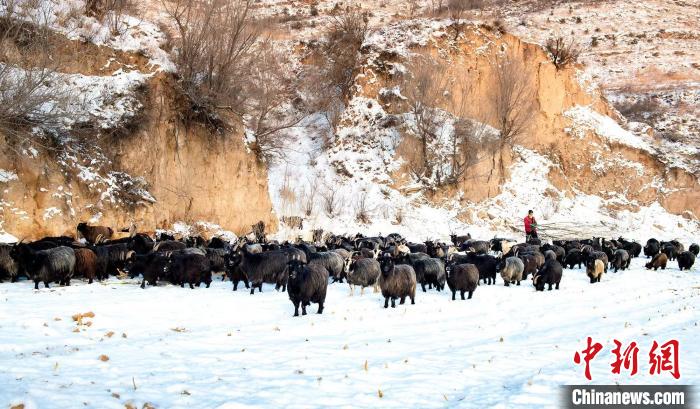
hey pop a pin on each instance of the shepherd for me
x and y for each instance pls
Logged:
(530, 226)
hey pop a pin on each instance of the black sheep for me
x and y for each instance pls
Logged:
(633, 248)
(364, 272)
(397, 281)
(652, 248)
(306, 283)
(331, 261)
(169, 245)
(686, 260)
(268, 267)
(620, 260)
(486, 264)
(111, 258)
(191, 269)
(529, 264)
(430, 271)
(56, 264)
(463, 278)
(669, 250)
(9, 267)
(694, 248)
(550, 273)
(234, 271)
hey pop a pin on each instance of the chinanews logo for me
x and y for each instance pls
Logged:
(663, 359)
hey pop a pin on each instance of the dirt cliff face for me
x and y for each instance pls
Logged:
(193, 175)
(584, 161)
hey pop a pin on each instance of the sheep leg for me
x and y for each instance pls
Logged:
(422, 285)
(362, 291)
(245, 281)
(352, 290)
(517, 282)
(143, 283)
(556, 286)
(36, 285)
(303, 308)
(320, 308)
(413, 298)
(376, 288)
(192, 286)
(470, 295)
(507, 284)
(403, 300)
(393, 302)
(386, 302)
(454, 293)
(235, 285)
(46, 284)
(296, 308)
(461, 293)
(550, 287)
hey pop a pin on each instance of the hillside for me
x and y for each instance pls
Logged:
(127, 156)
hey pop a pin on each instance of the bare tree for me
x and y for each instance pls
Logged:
(309, 198)
(562, 52)
(30, 98)
(425, 91)
(512, 98)
(214, 54)
(335, 63)
(273, 105)
(362, 211)
(331, 202)
(112, 12)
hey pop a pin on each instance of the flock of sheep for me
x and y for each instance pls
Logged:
(389, 264)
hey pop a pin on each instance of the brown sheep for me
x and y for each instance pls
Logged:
(594, 270)
(462, 278)
(659, 260)
(85, 264)
(95, 234)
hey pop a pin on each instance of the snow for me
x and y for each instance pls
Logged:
(175, 347)
(7, 176)
(576, 214)
(586, 119)
(125, 32)
(51, 212)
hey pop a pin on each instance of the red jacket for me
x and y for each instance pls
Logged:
(528, 224)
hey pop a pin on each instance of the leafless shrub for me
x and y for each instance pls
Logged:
(399, 216)
(111, 12)
(425, 90)
(273, 105)
(214, 54)
(562, 52)
(309, 198)
(362, 211)
(335, 62)
(457, 8)
(29, 94)
(258, 230)
(331, 202)
(512, 98)
(645, 109)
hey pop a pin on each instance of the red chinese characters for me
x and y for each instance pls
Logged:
(628, 358)
(588, 354)
(666, 360)
(662, 358)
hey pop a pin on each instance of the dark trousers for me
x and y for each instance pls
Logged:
(531, 235)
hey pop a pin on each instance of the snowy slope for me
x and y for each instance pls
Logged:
(507, 347)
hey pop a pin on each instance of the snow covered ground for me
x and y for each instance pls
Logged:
(213, 348)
